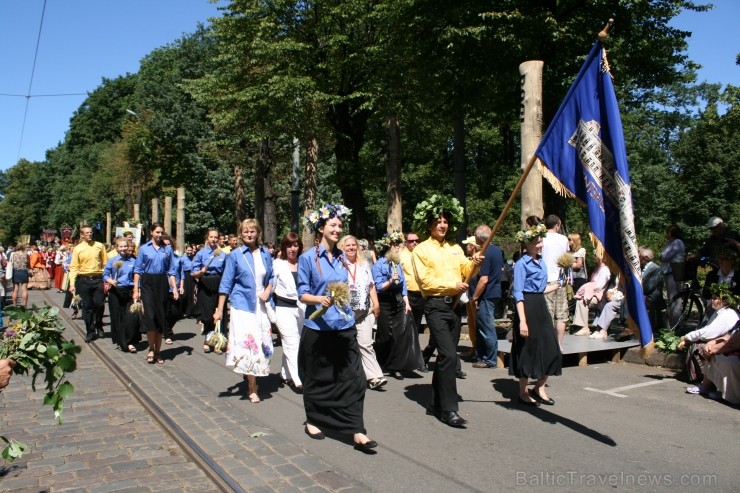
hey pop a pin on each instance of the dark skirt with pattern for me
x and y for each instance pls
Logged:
(154, 292)
(537, 355)
(208, 301)
(334, 383)
(396, 340)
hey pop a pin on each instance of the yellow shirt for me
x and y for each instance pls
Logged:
(439, 267)
(87, 259)
(407, 260)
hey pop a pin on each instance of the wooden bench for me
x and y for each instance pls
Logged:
(580, 345)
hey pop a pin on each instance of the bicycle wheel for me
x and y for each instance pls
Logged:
(691, 316)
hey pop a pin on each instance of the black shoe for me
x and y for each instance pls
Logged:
(536, 396)
(424, 369)
(453, 419)
(316, 436)
(366, 447)
(528, 403)
(99, 333)
(89, 337)
(461, 375)
(397, 375)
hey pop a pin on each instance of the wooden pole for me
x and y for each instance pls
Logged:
(136, 213)
(107, 227)
(531, 134)
(155, 210)
(168, 215)
(181, 218)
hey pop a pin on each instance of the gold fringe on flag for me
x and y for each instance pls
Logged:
(550, 177)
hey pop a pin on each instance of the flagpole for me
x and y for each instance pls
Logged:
(605, 32)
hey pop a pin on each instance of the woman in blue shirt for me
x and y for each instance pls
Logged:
(247, 281)
(329, 362)
(394, 344)
(208, 267)
(174, 305)
(119, 274)
(152, 273)
(535, 353)
(188, 302)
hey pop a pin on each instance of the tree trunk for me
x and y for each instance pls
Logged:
(269, 211)
(393, 174)
(309, 188)
(168, 215)
(349, 128)
(459, 167)
(239, 193)
(180, 218)
(531, 116)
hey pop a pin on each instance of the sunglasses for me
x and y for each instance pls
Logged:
(413, 241)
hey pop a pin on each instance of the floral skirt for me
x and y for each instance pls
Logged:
(250, 342)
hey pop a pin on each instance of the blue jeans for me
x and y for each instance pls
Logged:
(487, 343)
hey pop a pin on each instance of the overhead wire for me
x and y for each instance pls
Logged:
(30, 82)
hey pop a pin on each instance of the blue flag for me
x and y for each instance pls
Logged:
(584, 155)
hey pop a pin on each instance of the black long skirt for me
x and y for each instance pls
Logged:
(154, 292)
(124, 324)
(188, 303)
(396, 339)
(208, 302)
(537, 355)
(330, 368)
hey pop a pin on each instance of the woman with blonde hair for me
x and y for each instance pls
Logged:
(580, 274)
(247, 281)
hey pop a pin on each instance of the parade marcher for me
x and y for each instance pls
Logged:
(18, 262)
(289, 311)
(153, 272)
(119, 274)
(441, 267)
(416, 300)
(329, 361)
(86, 280)
(535, 352)
(59, 257)
(554, 245)
(208, 266)
(188, 302)
(247, 281)
(174, 305)
(364, 304)
(486, 297)
(396, 346)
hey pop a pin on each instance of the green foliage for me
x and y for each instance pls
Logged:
(34, 339)
(667, 341)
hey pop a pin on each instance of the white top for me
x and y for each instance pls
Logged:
(553, 246)
(283, 282)
(721, 322)
(583, 273)
(601, 276)
(360, 280)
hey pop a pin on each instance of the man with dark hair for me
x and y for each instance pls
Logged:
(440, 266)
(553, 246)
(486, 297)
(86, 280)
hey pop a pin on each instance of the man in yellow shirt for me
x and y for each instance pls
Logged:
(441, 267)
(86, 280)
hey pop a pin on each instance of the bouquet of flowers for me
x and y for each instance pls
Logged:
(339, 294)
(136, 307)
(216, 340)
(76, 303)
(34, 340)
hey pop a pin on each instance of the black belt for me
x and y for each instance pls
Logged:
(285, 301)
(447, 299)
(90, 276)
(415, 293)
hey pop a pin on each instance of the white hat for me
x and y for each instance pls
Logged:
(470, 240)
(713, 222)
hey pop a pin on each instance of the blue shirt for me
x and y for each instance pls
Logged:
(491, 267)
(529, 277)
(238, 281)
(124, 275)
(382, 272)
(178, 269)
(187, 263)
(153, 261)
(311, 281)
(205, 256)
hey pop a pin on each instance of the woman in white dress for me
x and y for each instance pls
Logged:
(247, 281)
(289, 311)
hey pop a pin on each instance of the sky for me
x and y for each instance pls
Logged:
(83, 41)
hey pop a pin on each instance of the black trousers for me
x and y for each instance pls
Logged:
(444, 325)
(416, 300)
(92, 296)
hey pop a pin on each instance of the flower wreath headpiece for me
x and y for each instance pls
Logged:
(327, 211)
(432, 208)
(527, 235)
(724, 292)
(389, 239)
